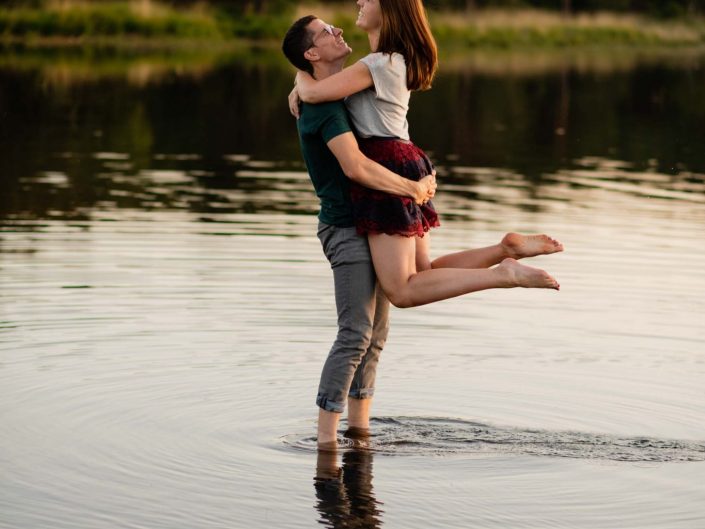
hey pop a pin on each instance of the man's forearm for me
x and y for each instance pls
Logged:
(373, 175)
(369, 173)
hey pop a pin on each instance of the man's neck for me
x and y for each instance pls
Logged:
(322, 70)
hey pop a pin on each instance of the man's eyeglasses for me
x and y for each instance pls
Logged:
(327, 28)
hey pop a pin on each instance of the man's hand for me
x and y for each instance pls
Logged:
(426, 188)
(294, 102)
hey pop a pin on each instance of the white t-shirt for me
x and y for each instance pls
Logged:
(381, 109)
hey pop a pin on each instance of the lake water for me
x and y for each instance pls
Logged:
(165, 307)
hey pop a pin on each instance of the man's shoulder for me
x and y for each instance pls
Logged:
(314, 117)
(324, 109)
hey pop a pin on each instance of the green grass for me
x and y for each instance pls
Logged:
(126, 19)
(110, 19)
(77, 21)
(519, 28)
(504, 29)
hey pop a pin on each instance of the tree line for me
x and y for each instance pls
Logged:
(658, 8)
(661, 8)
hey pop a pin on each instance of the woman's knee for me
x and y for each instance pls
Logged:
(423, 263)
(394, 259)
(400, 298)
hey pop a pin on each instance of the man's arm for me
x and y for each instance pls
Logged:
(369, 173)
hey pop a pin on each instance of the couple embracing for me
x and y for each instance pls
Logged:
(375, 189)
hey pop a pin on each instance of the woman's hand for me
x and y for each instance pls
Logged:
(304, 83)
(426, 188)
(294, 102)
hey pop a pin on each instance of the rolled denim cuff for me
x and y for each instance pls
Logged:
(364, 393)
(329, 405)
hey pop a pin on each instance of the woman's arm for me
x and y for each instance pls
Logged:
(351, 80)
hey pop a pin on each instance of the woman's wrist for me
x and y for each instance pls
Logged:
(417, 189)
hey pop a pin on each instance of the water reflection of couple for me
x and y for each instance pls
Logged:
(376, 228)
(345, 498)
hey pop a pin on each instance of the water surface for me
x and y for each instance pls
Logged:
(165, 307)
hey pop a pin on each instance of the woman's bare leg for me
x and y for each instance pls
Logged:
(423, 253)
(514, 245)
(394, 258)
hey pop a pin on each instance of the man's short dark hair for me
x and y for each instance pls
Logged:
(297, 41)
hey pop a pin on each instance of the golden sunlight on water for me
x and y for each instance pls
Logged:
(163, 361)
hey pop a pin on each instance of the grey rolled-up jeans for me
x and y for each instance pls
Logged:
(363, 319)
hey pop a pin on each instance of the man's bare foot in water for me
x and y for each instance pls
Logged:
(328, 446)
(359, 437)
(518, 246)
(520, 275)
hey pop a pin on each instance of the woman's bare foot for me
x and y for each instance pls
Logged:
(526, 276)
(518, 246)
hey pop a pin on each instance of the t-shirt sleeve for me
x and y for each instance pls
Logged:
(335, 123)
(388, 75)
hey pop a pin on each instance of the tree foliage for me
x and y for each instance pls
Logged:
(659, 8)
(662, 8)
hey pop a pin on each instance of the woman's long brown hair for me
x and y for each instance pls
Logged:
(405, 29)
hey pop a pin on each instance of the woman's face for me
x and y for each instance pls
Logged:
(369, 17)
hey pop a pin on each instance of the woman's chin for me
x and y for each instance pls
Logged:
(364, 27)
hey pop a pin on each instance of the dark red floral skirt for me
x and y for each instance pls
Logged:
(380, 212)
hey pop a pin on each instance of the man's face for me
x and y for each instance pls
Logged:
(328, 42)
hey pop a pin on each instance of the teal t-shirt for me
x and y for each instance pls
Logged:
(317, 125)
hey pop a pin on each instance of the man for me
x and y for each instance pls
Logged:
(332, 156)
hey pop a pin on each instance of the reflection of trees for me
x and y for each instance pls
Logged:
(235, 109)
(534, 124)
(528, 119)
(562, 115)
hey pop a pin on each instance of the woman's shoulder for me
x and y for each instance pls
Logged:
(379, 58)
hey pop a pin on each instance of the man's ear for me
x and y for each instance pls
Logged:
(311, 55)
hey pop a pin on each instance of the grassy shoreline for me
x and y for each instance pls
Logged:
(125, 23)
(70, 65)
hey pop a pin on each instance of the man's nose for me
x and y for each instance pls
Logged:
(337, 31)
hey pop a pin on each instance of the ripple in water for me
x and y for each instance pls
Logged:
(431, 435)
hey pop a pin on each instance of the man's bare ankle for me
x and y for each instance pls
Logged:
(357, 432)
(330, 445)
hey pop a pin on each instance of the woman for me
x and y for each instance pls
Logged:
(403, 58)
